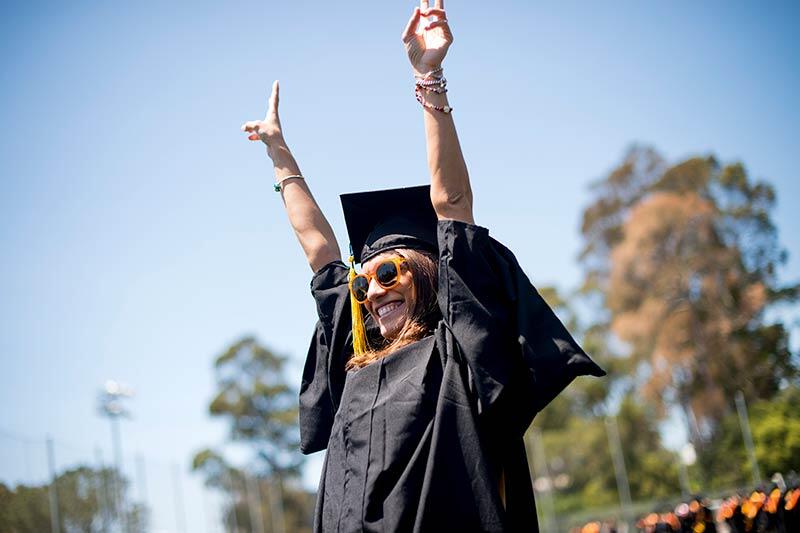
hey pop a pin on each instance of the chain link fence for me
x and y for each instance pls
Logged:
(75, 489)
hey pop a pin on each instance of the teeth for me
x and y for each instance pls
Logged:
(388, 308)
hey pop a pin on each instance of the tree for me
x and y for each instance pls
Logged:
(575, 436)
(776, 432)
(584, 397)
(24, 509)
(261, 408)
(682, 261)
(775, 425)
(84, 497)
(578, 454)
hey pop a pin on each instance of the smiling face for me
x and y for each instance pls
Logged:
(389, 307)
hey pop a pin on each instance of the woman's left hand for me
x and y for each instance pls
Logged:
(427, 45)
(268, 130)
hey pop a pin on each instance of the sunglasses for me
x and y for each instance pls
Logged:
(387, 274)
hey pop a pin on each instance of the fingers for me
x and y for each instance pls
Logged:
(441, 23)
(276, 90)
(439, 4)
(274, 97)
(423, 5)
(437, 15)
(271, 124)
(435, 18)
(411, 27)
(434, 12)
(251, 126)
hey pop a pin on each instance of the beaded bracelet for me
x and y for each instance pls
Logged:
(430, 74)
(277, 186)
(432, 82)
(432, 89)
(443, 109)
(436, 85)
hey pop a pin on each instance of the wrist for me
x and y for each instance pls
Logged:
(278, 151)
(430, 90)
(283, 161)
(423, 71)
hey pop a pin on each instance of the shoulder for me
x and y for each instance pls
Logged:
(458, 236)
(331, 275)
(449, 225)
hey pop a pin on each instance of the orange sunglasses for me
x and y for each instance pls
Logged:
(387, 274)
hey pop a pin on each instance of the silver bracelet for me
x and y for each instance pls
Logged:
(278, 183)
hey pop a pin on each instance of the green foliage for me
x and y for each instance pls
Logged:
(681, 264)
(680, 274)
(652, 470)
(776, 432)
(578, 450)
(257, 499)
(584, 397)
(24, 509)
(775, 425)
(261, 409)
(85, 500)
(253, 396)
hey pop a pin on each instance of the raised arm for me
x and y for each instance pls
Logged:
(310, 225)
(426, 42)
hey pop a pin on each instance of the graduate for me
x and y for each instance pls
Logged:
(429, 363)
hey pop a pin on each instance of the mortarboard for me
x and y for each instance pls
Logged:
(378, 221)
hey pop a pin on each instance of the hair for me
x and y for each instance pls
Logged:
(423, 317)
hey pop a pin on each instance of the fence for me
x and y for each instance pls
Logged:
(151, 494)
(145, 494)
(552, 466)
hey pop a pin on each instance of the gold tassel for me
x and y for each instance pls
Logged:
(359, 332)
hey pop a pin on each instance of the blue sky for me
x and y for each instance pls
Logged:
(139, 232)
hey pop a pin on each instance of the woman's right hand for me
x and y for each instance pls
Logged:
(268, 130)
(427, 42)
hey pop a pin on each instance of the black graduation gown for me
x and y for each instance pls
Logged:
(423, 439)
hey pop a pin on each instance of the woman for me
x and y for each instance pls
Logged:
(422, 406)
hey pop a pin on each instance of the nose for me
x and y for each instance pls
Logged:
(375, 290)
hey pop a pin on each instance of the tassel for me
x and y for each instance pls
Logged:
(359, 332)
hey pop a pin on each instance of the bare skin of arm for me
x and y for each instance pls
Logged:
(305, 216)
(427, 43)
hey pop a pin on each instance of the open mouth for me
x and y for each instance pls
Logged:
(388, 309)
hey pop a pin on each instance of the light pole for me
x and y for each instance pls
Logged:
(688, 457)
(110, 405)
(617, 458)
(744, 423)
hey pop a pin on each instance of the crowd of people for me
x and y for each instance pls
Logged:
(767, 509)
(694, 516)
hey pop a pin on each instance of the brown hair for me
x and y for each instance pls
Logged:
(424, 316)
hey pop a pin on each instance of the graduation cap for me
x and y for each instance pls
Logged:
(379, 221)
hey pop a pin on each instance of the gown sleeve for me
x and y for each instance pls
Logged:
(324, 370)
(518, 353)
